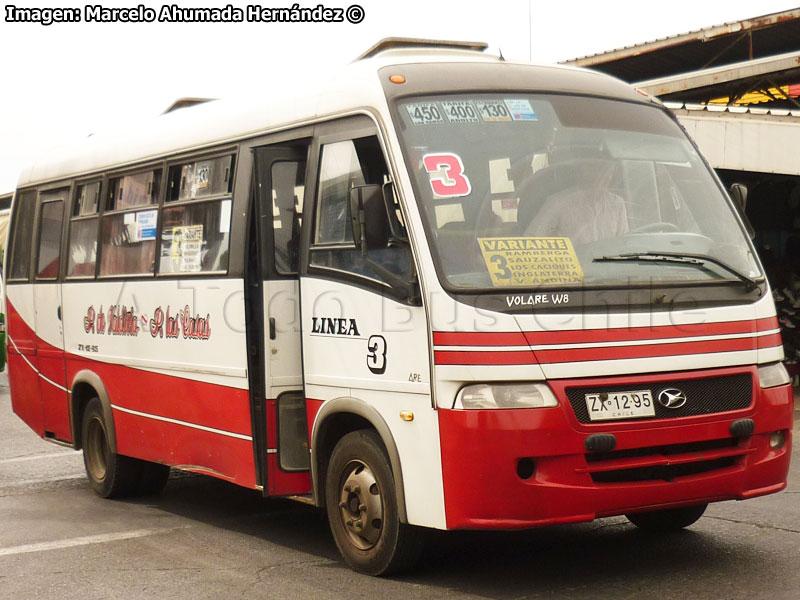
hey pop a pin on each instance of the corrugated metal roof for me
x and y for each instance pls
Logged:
(732, 109)
(728, 43)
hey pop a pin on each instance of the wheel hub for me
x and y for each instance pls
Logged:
(96, 448)
(360, 505)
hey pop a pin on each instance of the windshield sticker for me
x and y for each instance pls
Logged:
(521, 109)
(424, 113)
(446, 175)
(499, 183)
(527, 261)
(492, 110)
(460, 111)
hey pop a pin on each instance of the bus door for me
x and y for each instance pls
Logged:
(280, 172)
(365, 335)
(48, 315)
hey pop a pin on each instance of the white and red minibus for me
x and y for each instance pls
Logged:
(436, 290)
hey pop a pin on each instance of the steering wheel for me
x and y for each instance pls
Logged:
(658, 226)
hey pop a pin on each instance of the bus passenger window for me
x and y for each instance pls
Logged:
(195, 238)
(128, 243)
(50, 220)
(21, 235)
(128, 239)
(134, 190)
(82, 255)
(196, 222)
(201, 179)
(87, 200)
(345, 165)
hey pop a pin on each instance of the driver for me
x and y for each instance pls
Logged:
(587, 210)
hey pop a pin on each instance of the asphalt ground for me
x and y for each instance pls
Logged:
(203, 538)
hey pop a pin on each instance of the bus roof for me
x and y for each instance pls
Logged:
(356, 86)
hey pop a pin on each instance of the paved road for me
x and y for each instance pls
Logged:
(206, 539)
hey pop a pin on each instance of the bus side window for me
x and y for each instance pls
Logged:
(21, 235)
(82, 255)
(288, 189)
(51, 219)
(128, 239)
(196, 220)
(344, 165)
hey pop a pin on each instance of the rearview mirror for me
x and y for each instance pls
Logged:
(368, 217)
(738, 192)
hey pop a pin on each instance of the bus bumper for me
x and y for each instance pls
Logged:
(518, 468)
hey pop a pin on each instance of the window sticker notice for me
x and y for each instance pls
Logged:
(201, 176)
(146, 225)
(460, 111)
(186, 248)
(493, 110)
(424, 113)
(528, 261)
(521, 109)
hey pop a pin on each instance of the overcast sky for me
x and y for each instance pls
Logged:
(66, 81)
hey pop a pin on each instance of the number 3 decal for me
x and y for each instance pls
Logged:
(447, 176)
(376, 357)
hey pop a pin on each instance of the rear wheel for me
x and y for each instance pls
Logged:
(670, 519)
(362, 508)
(110, 474)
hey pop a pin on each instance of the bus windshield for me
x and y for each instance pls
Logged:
(526, 190)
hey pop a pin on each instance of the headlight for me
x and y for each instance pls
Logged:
(772, 375)
(505, 395)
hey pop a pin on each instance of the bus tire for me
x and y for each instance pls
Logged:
(111, 475)
(670, 519)
(361, 503)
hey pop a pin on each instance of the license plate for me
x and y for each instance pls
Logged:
(620, 405)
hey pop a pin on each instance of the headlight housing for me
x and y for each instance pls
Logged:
(505, 395)
(772, 375)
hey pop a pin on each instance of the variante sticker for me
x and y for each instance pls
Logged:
(528, 261)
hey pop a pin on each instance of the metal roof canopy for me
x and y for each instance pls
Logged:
(724, 44)
(730, 80)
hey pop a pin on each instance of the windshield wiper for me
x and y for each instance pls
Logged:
(687, 259)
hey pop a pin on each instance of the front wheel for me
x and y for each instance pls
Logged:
(670, 519)
(361, 502)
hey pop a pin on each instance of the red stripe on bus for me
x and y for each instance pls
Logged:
(631, 334)
(518, 357)
(457, 357)
(467, 338)
(616, 334)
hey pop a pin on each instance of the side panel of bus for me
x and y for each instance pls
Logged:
(364, 345)
(178, 390)
(120, 307)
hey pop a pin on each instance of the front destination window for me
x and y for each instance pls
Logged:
(522, 190)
